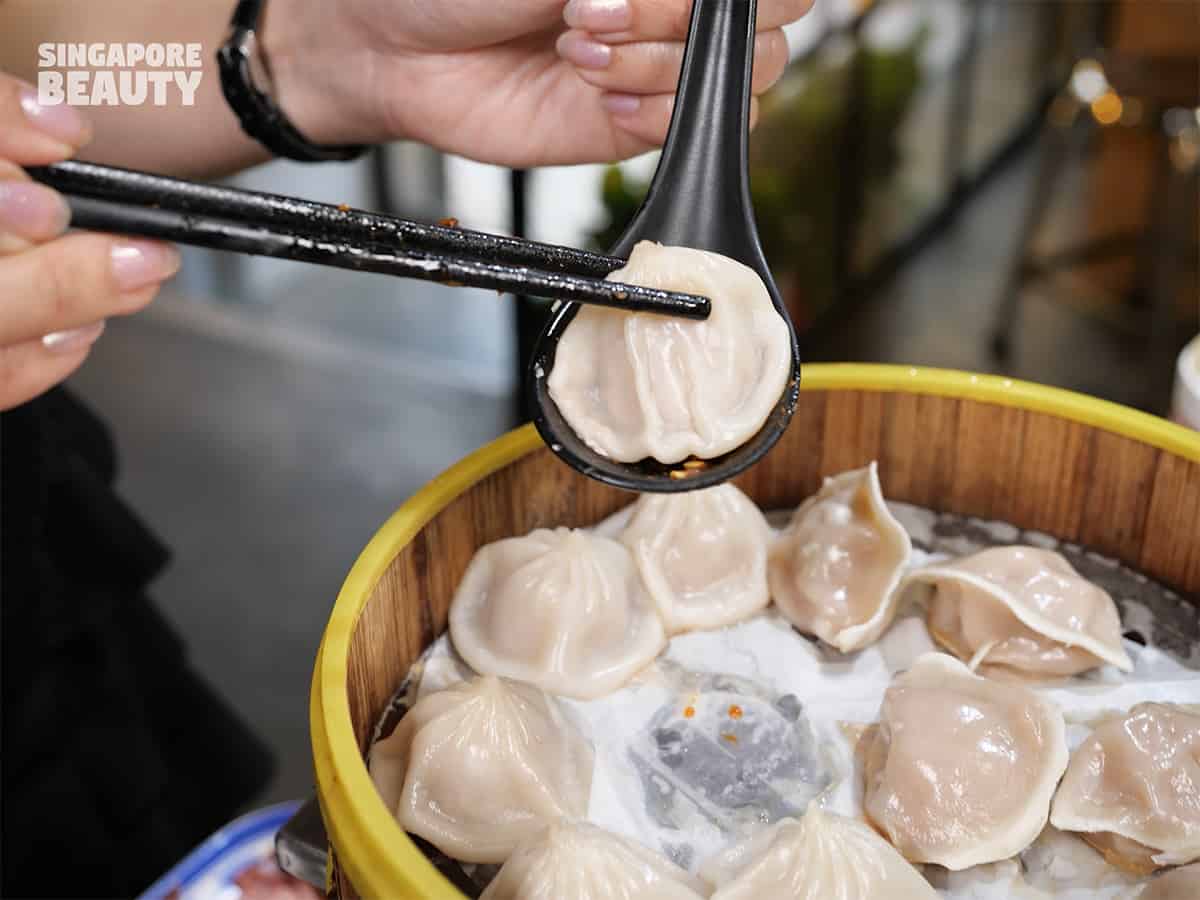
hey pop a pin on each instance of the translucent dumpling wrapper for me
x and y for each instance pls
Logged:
(563, 609)
(835, 570)
(1178, 884)
(580, 861)
(960, 769)
(1022, 611)
(822, 856)
(1133, 788)
(638, 385)
(476, 768)
(702, 555)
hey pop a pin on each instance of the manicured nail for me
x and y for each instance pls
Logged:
(139, 264)
(621, 104)
(32, 211)
(59, 121)
(75, 339)
(598, 15)
(580, 50)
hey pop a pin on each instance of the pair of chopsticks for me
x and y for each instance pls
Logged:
(105, 198)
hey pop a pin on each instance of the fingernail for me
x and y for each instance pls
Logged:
(32, 211)
(621, 104)
(139, 264)
(59, 121)
(598, 15)
(75, 339)
(582, 51)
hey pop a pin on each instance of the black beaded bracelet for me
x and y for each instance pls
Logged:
(260, 116)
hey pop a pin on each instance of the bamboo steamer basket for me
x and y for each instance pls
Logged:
(1118, 481)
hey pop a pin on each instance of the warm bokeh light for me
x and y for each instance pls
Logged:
(1107, 108)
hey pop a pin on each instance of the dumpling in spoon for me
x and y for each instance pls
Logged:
(477, 767)
(1022, 611)
(564, 609)
(1133, 788)
(835, 569)
(821, 856)
(702, 555)
(638, 385)
(579, 861)
(960, 770)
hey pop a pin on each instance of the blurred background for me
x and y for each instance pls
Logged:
(994, 185)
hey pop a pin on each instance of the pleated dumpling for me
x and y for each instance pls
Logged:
(563, 609)
(960, 770)
(638, 385)
(834, 571)
(820, 857)
(702, 555)
(579, 861)
(1133, 788)
(1022, 611)
(477, 767)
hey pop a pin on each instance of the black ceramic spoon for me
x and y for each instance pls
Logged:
(700, 197)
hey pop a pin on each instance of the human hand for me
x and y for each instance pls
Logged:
(513, 82)
(56, 291)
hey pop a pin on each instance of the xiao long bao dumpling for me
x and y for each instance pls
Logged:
(477, 767)
(638, 385)
(819, 857)
(960, 770)
(579, 861)
(1133, 788)
(702, 555)
(1022, 610)
(564, 610)
(834, 571)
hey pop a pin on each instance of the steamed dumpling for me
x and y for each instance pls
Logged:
(1133, 788)
(562, 609)
(702, 555)
(579, 861)
(1022, 610)
(960, 770)
(820, 857)
(835, 569)
(638, 385)
(476, 768)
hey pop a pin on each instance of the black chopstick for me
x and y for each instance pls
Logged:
(143, 188)
(114, 199)
(206, 231)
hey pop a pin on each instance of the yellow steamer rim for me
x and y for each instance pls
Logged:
(374, 851)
